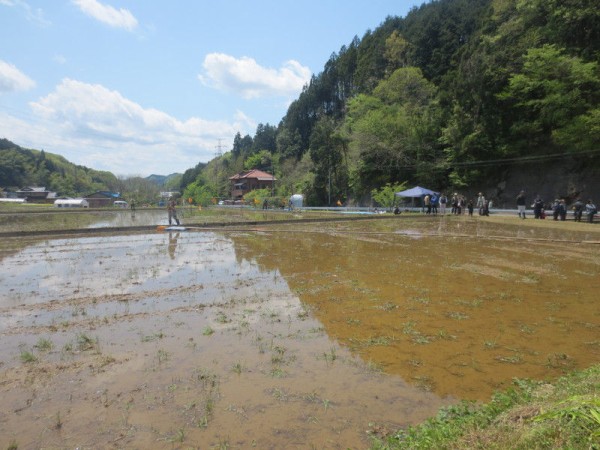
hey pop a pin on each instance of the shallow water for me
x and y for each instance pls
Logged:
(290, 335)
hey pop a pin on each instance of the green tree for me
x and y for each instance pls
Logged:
(550, 92)
(264, 138)
(327, 151)
(200, 194)
(395, 130)
(386, 195)
(262, 160)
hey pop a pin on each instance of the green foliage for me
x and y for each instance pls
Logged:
(264, 138)
(328, 152)
(550, 92)
(257, 197)
(441, 98)
(263, 160)
(579, 410)
(395, 130)
(21, 167)
(200, 194)
(565, 415)
(386, 195)
(582, 134)
(28, 357)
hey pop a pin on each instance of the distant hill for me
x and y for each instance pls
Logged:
(162, 180)
(20, 167)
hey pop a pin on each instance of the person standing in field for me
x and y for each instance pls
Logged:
(590, 210)
(538, 208)
(443, 201)
(434, 201)
(563, 209)
(172, 211)
(480, 203)
(577, 210)
(521, 202)
(427, 203)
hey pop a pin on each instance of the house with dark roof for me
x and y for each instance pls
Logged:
(250, 180)
(102, 199)
(36, 194)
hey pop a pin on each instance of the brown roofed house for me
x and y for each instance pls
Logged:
(250, 180)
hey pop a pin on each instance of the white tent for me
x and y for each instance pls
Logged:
(71, 203)
(416, 192)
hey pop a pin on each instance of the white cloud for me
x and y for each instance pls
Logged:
(99, 128)
(246, 77)
(34, 15)
(118, 18)
(12, 79)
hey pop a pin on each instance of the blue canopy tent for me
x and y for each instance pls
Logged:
(416, 192)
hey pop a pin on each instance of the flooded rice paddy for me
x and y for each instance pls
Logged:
(316, 335)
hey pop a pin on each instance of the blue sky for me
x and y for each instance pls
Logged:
(141, 87)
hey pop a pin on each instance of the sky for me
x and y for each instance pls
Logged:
(141, 87)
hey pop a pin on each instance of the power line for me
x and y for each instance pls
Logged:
(523, 159)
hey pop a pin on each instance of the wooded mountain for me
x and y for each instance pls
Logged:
(20, 167)
(459, 94)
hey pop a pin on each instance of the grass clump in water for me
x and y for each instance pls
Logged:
(532, 415)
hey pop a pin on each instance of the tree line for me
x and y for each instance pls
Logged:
(21, 167)
(457, 93)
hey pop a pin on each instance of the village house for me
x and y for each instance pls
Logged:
(250, 180)
(35, 194)
(103, 199)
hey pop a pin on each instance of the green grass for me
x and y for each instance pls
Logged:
(530, 415)
(44, 345)
(28, 357)
(85, 342)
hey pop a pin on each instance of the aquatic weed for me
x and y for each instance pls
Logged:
(85, 343)
(28, 357)
(43, 344)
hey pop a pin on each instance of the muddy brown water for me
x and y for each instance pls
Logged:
(284, 336)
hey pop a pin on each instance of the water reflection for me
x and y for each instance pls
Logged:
(149, 301)
(125, 218)
(172, 244)
(460, 313)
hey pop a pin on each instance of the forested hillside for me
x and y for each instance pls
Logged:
(459, 94)
(20, 167)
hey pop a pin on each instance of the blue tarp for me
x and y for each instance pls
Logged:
(417, 191)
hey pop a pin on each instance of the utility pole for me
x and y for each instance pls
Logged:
(218, 155)
(219, 148)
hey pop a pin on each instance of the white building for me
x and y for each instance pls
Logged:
(71, 203)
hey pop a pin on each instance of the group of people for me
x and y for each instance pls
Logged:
(559, 208)
(458, 204)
